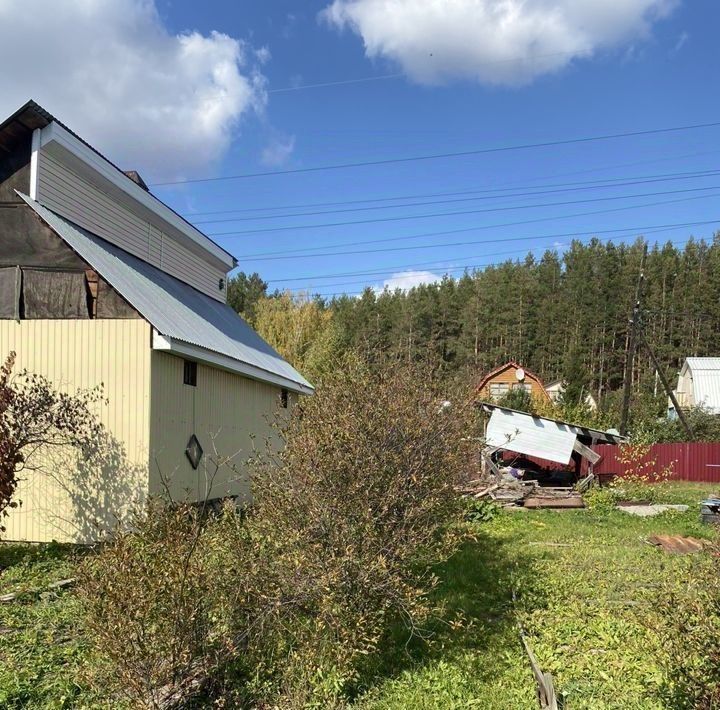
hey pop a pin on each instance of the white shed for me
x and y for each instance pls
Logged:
(698, 385)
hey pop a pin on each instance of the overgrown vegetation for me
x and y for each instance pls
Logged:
(284, 605)
(621, 625)
(34, 416)
(693, 637)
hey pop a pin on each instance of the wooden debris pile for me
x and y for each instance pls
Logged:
(509, 491)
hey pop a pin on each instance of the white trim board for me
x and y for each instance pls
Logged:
(36, 140)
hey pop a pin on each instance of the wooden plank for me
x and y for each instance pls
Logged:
(586, 452)
(547, 697)
(7, 598)
(573, 501)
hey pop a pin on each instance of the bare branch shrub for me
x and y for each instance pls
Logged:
(33, 416)
(279, 607)
(351, 514)
(152, 603)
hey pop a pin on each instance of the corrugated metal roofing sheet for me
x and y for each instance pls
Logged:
(706, 389)
(532, 436)
(175, 309)
(703, 363)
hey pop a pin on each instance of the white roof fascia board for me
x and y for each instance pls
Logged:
(58, 141)
(194, 352)
(36, 140)
(532, 436)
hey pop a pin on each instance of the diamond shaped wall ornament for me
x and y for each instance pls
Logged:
(194, 451)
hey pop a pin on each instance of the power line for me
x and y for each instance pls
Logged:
(296, 254)
(434, 215)
(447, 272)
(639, 181)
(652, 229)
(341, 82)
(517, 185)
(458, 154)
(399, 75)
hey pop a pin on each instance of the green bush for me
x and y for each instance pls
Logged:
(602, 499)
(283, 605)
(157, 608)
(691, 608)
(481, 511)
(353, 512)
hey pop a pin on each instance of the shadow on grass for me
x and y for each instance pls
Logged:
(477, 614)
(23, 566)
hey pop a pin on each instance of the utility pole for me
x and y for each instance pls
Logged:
(663, 379)
(632, 346)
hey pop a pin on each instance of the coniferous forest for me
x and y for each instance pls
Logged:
(564, 316)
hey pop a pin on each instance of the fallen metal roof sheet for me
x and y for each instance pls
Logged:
(175, 309)
(588, 433)
(532, 436)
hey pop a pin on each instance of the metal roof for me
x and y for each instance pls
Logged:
(529, 435)
(174, 309)
(583, 432)
(703, 363)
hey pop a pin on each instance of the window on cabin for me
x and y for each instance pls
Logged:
(190, 373)
(284, 398)
(499, 389)
(523, 386)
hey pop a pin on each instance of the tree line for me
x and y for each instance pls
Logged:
(564, 316)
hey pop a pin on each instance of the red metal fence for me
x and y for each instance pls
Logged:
(695, 461)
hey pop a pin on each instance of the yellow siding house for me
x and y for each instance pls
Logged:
(101, 284)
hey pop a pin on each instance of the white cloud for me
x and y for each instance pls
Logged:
(492, 41)
(165, 104)
(278, 151)
(263, 55)
(406, 280)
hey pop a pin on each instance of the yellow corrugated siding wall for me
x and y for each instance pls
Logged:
(61, 501)
(224, 407)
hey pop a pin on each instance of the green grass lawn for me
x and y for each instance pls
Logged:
(585, 584)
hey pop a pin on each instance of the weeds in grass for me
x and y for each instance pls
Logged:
(692, 636)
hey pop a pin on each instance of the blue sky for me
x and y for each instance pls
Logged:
(458, 83)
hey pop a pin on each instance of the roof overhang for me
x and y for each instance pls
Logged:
(224, 362)
(187, 322)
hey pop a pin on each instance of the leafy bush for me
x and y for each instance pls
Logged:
(692, 640)
(353, 511)
(33, 417)
(602, 499)
(638, 470)
(283, 605)
(481, 511)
